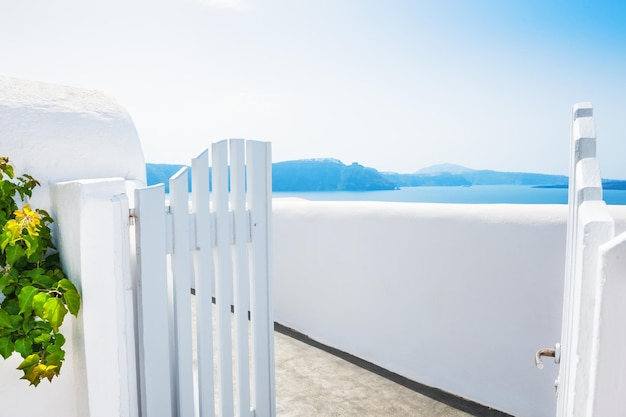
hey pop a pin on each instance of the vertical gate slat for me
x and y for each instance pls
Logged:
(181, 270)
(203, 263)
(259, 181)
(241, 272)
(157, 389)
(223, 278)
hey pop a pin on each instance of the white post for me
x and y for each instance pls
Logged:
(90, 234)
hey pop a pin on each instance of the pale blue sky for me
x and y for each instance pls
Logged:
(397, 84)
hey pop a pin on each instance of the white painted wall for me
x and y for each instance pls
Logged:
(458, 297)
(62, 398)
(57, 133)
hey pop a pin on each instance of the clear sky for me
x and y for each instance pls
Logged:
(397, 85)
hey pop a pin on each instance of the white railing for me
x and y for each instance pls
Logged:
(223, 243)
(592, 305)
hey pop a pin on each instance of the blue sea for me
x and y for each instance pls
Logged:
(477, 194)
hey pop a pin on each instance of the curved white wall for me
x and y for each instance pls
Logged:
(57, 133)
(458, 297)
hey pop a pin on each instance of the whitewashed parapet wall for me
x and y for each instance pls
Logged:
(454, 296)
(593, 337)
(459, 297)
(89, 143)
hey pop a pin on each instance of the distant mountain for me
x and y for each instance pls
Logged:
(443, 179)
(333, 175)
(326, 175)
(457, 175)
(301, 175)
(488, 177)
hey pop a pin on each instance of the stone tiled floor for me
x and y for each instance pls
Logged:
(311, 382)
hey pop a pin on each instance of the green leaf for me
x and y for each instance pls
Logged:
(24, 346)
(42, 338)
(39, 278)
(6, 347)
(14, 253)
(25, 298)
(29, 361)
(4, 319)
(43, 326)
(5, 238)
(9, 289)
(52, 259)
(54, 360)
(59, 339)
(67, 285)
(43, 281)
(28, 324)
(34, 273)
(38, 302)
(54, 311)
(11, 306)
(8, 169)
(16, 321)
(55, 350)
(32, 246)
(72, 299)
(5, 280)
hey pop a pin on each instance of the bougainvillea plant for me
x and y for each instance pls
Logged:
(37, 294)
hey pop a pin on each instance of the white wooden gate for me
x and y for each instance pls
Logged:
(218, 244)
(593, 339)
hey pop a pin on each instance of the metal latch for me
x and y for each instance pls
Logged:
(554, 352)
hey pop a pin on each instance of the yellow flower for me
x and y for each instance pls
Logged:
(13, 230)
(28, 219)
